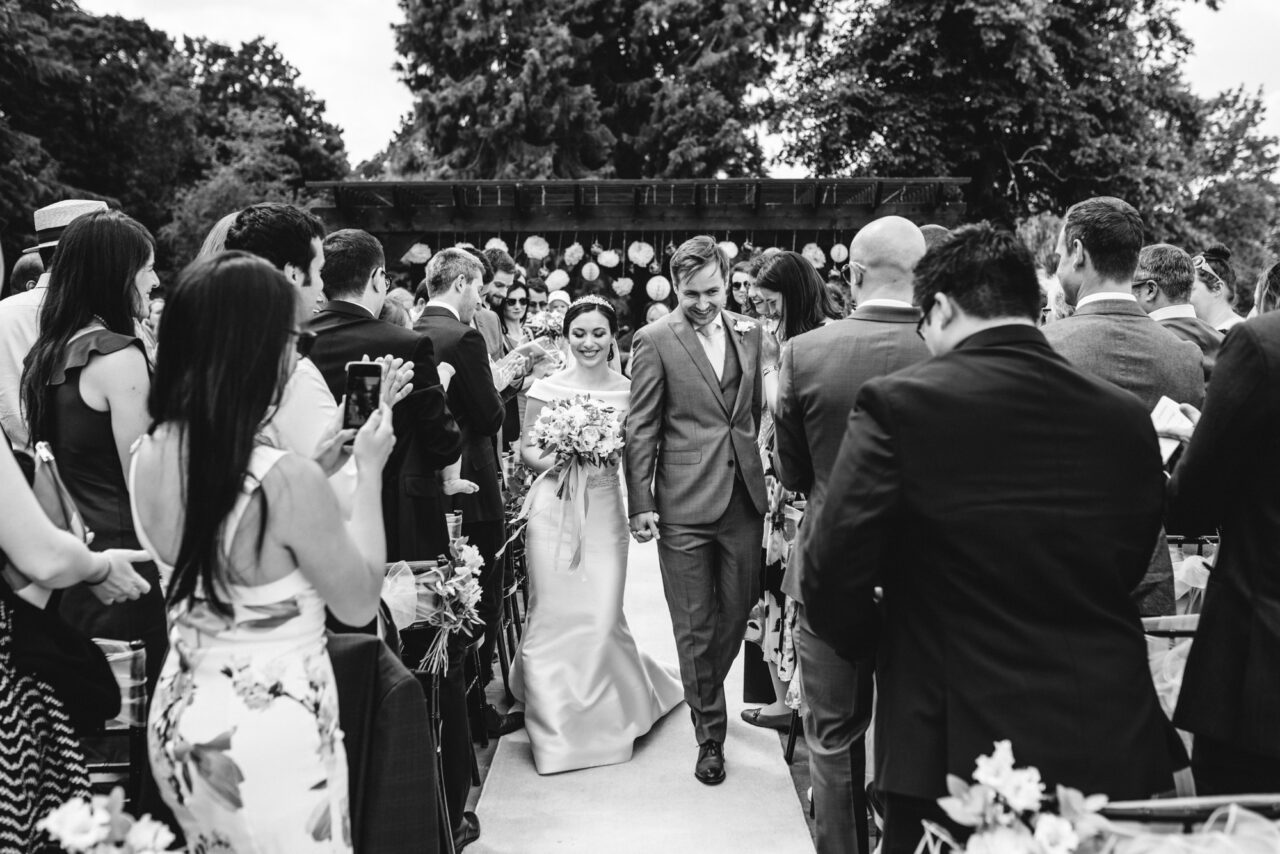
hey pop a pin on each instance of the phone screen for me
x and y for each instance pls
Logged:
(364, 390)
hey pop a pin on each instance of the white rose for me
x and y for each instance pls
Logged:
(1023, 790)
(1056, 834)
(77, 825)
(148, 836)
(992, 770)
(1001, 840)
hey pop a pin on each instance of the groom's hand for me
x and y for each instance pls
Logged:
(644, 527)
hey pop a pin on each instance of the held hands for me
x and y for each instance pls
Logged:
(644, 527)
(122, 582)
(374, 441)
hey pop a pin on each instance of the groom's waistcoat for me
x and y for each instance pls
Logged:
(731, 376)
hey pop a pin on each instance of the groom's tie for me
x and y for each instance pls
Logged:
(711, 337)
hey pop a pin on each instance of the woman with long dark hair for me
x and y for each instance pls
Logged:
(793, 299)
(84, 391)
(243, 729)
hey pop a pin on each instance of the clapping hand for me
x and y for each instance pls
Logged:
(123, 583)
(397, 379)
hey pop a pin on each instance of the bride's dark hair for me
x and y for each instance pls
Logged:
(588, 304)
(220, 367)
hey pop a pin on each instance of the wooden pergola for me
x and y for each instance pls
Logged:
(785, 213)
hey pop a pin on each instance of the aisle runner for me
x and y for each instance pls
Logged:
(652, 803)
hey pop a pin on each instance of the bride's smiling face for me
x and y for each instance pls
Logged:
(590, 338)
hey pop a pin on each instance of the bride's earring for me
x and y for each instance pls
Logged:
(613, 352)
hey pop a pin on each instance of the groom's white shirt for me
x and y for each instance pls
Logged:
(711, 337)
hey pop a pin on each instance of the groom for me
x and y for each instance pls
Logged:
(694, 478)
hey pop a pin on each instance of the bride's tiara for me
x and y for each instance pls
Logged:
(592, 299)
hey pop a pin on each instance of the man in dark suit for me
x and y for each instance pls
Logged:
(1226, 480)
(821, 374)
(1110, 337)
(1162, 286)
(961, 489)
(452, 285)
(427, 438)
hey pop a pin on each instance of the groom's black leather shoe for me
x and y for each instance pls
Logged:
(710, 767)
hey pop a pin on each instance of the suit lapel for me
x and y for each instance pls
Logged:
(689, 339)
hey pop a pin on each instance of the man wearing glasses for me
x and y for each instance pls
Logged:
(1162, 285)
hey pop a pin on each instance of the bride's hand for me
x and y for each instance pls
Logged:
(644, 527)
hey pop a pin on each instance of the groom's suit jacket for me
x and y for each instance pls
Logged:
(964, 487)
(685, 443)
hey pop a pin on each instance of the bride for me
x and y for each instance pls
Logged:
(587, 692)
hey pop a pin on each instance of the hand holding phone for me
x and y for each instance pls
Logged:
(363, 393)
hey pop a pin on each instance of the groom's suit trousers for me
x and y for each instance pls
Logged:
(711, 577)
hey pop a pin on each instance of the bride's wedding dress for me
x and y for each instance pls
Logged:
(588, 690)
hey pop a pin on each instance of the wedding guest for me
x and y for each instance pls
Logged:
(819, 380)
(394, 313)
(1110, 337)
(1266, 298)
(453, 279)
(504, 276)
(652, 312)
(1162, 286)
(485, 320)
(26, 271)
(740, 279)
(259, 548)
(794, 297)
(427, 439)
(514, 309)
(1226, 480)
(839, 296)
(216, 240)
(20, 314)
(557, 304)
(538, 294)
(934, 234)
(403, 297)
(1213, 292)
(962, 486)
(84, 391)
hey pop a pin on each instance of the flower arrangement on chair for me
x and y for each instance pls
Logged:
(448, 593)
(101, 826)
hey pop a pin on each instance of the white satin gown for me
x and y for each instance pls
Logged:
(588, 691)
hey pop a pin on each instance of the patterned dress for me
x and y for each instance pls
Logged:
(243, 731)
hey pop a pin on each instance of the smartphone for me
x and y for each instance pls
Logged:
(363, 393)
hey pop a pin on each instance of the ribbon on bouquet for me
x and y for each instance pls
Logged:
(571, 488)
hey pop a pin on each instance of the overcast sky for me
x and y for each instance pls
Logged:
(344, 50)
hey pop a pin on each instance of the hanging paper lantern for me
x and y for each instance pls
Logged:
(609, 259)
(497, 243)
(658, 288)
(622, 287)
(574, 254)
(729, 248)
(419, 253)
(536, 247)
(557, 280)
(640, 253)
(590, 271)
(813, 253)
(839, 253)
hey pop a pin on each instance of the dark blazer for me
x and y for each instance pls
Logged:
(391, 755)
(1227, 479)
(819, 380)
(427, 438)
(489, 325)
(1117, 341)
(476, 405)
(1204, 336)
(1006, 502)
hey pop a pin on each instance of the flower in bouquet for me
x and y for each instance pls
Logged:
(574, 254)
(579, 429)
(540, 324)
(101, 826)
(448, 594)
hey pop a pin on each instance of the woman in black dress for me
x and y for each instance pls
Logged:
(84, 390)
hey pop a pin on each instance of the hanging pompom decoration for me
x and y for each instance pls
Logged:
(574, 254)
(729, 248)
(596, 248)
(419, 253)
(772, 250)
(813, 253)
(557, 280)
(658, 288)
(640, 253)
(622, 287)
(497, 243)
(609, 259)
(839, 253)
(536, 247)
(590, 271)
(655, 267)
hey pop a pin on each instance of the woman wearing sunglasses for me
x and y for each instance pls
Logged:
(1213, 292)
(740, 281)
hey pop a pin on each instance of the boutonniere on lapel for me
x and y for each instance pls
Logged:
(743, 326)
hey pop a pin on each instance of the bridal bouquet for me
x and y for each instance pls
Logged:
(1006, 809)
(579, 430)
(101, 826)
(541, 324)
(447, 598)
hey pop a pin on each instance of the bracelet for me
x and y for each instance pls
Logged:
(106, 571)
(768, 369)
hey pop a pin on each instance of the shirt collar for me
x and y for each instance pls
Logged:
(443, 304)
(1105, 295)
(885, 302)
(43, 281)
(1169, 312)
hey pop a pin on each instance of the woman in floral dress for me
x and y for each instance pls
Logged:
(243, 731)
